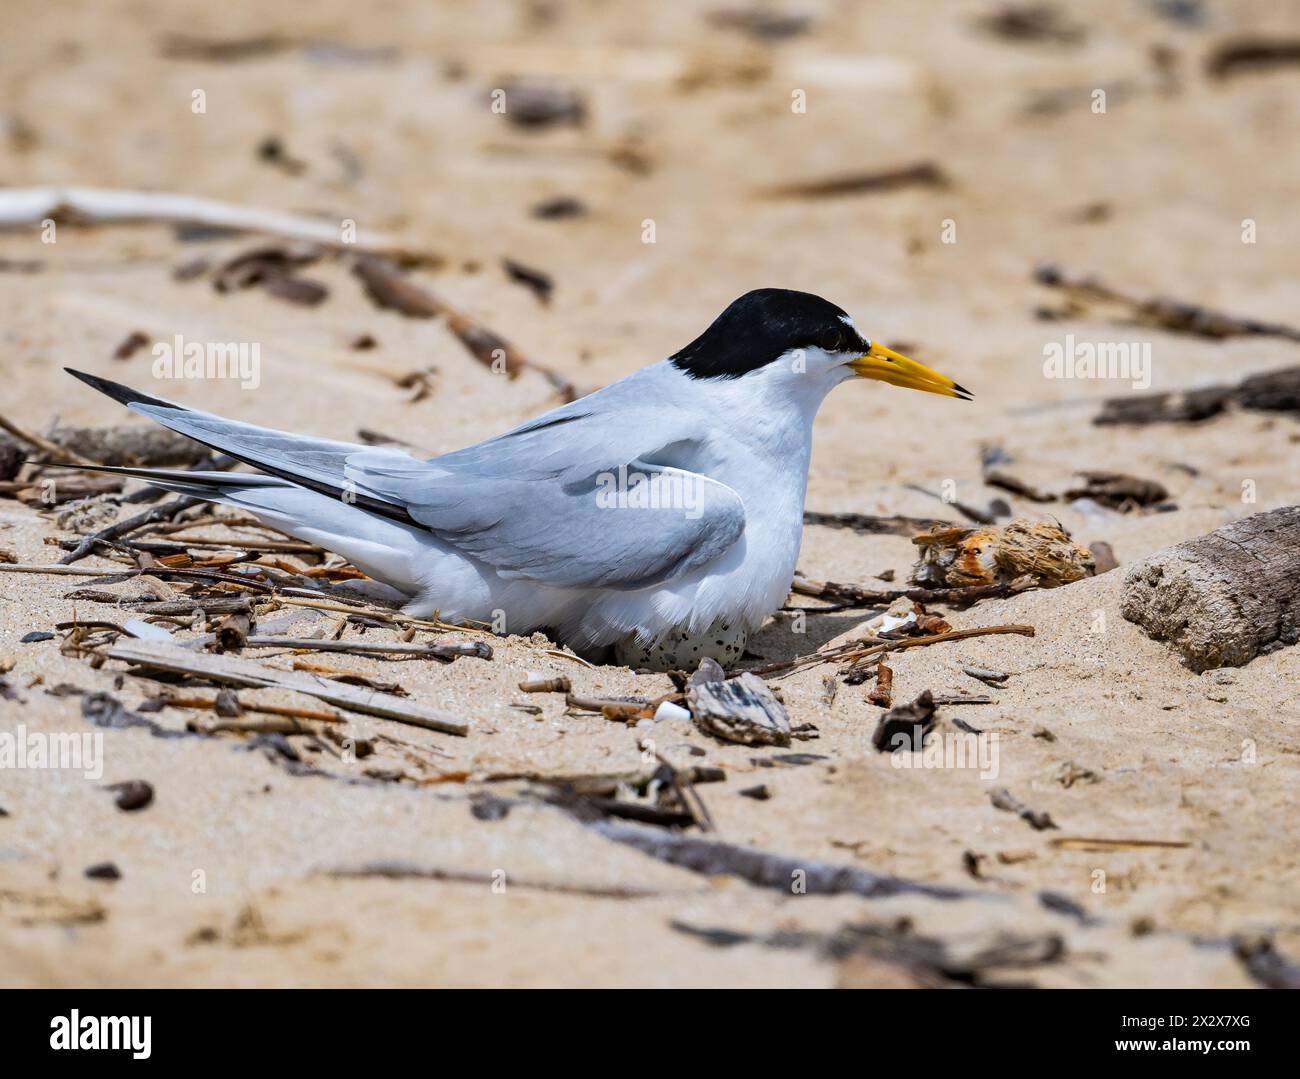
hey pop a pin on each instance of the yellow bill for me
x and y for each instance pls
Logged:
(886, 365)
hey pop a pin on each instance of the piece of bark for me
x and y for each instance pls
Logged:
(1118, 491)
(1269, 391)
(1191, 406)
(1035, 818)
(390, 289)
(882, 694)
(1223, 598)
(995, 477)
(906, 726)
(742, 709)
(1103, 557)
(764, 869)
(851, 595)
(872, 525)
(12, 456)
(919, 174)
(229, 670)
(1252, 54)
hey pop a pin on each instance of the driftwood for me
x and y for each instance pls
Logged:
(1252, 54)
(850, 595)
(1225, 597)
(919, 174)
(129, 444)
(742, 709)
(389, 288)
(872, 525)
(1035, 818)
(233, 671)
(401, 870)
(446, 650)
(1270, 391)
(792, 875)
(906, 726)
(1175, 316)
(95, 205)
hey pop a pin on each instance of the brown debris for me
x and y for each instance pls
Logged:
(1233, 58)
(546, 685)
(230, 670)
(963, 557)
(1032, 23)
(1119, 491)
(131, 794)
(761, 23)
(882, 694)
(871, 525)
(1270, 391)
(132, 445)
(534, 105)
(539, 283)
(273, 267)
(1175, 316)
(1103, 557)
(1036, 819)
(131, 344)
(388, 288)
(920, 174)
(906, 726)
(1007, 482)
(846, 596)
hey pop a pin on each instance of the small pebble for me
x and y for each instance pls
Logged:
(36, 635)
(103, 871)
(759, 793)
(132, 794)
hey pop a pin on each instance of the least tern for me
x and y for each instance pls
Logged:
(661, 515)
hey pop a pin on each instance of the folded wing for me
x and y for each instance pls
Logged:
(583, 497)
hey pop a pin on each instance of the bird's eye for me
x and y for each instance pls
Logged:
(831, 340)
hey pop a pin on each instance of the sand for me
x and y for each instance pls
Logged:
(225, 876)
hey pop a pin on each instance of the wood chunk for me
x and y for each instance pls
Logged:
(1191, 406)
(882, 694)
(1037, 819)
(906, 726)
(742, 709)
(1222, 599)
(1119, 491)
(1269, 391)
(872, 525)
(231, 670)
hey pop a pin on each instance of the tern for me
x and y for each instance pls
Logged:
(658, 518)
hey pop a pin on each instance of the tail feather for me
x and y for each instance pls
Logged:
(389, 551)
(315, 463)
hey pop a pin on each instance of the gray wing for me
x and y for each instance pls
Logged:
(584, 497)
(559, 500)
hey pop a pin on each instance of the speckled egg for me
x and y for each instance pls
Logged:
(679, 650)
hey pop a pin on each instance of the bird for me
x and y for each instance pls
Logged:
(652, 523)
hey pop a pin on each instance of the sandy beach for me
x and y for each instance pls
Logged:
(250, 868)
